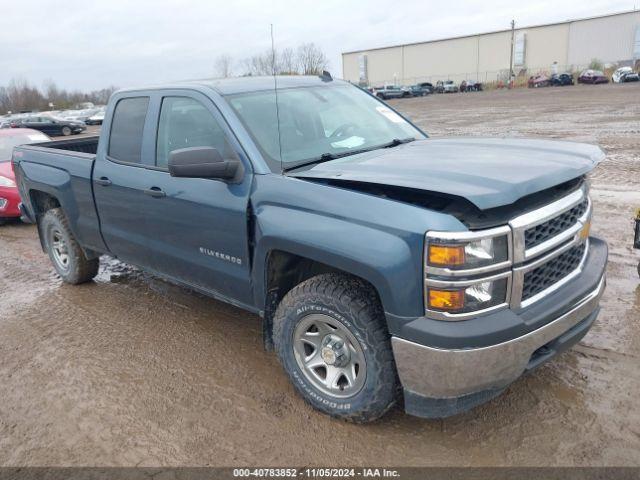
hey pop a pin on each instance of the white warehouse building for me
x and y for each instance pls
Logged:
(485, 57)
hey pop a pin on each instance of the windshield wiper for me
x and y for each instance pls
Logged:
(326, 157)
(398, 141)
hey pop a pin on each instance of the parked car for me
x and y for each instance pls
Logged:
(418, 91)
(9, 196)
(538, 81)
(52, 125)
(448, 86)
(472, 86)
(390, 91)
(561, 79)
(428, 86)
(374, 254)
(95, 119)
(592, 77)
(625, 74)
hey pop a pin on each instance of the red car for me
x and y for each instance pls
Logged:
(593, 77)
(9, 196)
(540, 80)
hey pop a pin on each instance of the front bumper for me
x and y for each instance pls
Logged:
(442, 381)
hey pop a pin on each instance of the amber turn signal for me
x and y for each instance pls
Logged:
(449, 255)
(446, 299)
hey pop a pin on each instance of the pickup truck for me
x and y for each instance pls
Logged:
(386, 266)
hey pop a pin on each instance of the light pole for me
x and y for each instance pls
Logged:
(513, 31)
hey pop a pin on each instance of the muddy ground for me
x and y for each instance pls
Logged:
(130, 370)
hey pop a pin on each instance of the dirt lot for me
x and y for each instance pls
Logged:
(130, 370)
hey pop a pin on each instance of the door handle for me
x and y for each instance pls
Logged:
(104, 181)
(155, 192)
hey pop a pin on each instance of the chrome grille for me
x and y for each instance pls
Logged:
(541, 233)
(550, 273)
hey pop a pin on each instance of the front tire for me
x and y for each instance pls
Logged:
(66, 131)
(331, 337)
(65, 253)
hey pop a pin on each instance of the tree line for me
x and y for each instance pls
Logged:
(21, 96)
(306, 59)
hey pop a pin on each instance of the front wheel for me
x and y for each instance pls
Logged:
(331, 337)
(66, 131)
(65, 253)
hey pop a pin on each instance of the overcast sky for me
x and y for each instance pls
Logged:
(91, 44)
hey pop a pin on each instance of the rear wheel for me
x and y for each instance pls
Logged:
(65, 253)
(66, 131)
(331, 337)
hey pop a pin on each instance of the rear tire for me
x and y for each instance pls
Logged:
(64, 251)
(331, 337)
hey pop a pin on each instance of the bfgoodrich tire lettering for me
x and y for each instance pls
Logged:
(351, 304)
(65, 253)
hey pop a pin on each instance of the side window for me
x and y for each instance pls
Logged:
(125, 141)
(185, 122)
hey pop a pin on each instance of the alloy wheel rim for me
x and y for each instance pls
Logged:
(329, 356)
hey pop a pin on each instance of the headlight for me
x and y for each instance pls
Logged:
(6, 182)
(454, 299)
(467, 252)
(467, 272)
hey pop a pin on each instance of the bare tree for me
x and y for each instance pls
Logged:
(223, 66)
(261, 64)
(311, 60)
(287, 62)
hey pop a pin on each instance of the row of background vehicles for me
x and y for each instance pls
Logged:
(55, 123)
(425, 88)
(588, 77)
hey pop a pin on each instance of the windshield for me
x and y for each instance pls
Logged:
(318, 121)
(8, 142)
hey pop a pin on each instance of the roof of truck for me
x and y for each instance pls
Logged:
(231, 86)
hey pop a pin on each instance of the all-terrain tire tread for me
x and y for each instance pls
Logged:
(85, 269)
(352, 298)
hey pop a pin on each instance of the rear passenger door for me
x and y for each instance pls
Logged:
(119, 182)
(197, 228)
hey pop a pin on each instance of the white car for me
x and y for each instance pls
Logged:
(624, 74)
(95, 119)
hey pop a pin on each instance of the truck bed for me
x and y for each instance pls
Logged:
(61, 169)
(82, 145)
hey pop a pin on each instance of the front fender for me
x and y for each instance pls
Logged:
(385, 260)
(372, 237)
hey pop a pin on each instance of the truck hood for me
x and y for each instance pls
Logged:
(488, 172)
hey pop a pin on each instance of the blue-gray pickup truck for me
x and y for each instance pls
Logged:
(386, 266)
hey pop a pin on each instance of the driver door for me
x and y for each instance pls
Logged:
(197, 228)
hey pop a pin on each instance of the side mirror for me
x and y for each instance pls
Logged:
(202, 162)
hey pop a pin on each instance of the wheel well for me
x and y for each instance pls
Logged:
(284, 271)
(42, 202)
